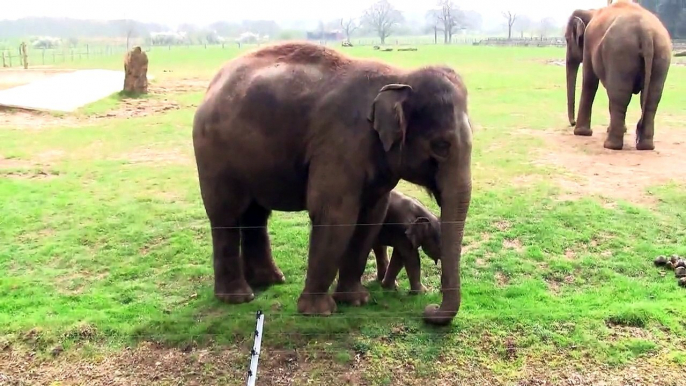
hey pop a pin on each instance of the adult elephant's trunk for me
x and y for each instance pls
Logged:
(455, 186)
(572, 70)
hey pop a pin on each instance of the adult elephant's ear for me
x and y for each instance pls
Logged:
(578, 29)
(387, 115)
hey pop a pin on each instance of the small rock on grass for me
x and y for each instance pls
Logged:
(682, 282)
(660, 261)
(680, 272)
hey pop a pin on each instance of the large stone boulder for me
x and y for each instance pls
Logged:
(136, 72)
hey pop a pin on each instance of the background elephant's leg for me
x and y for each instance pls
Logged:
(414, 273)
(260, 268)
(645, 130)
(589, 87)
(224, 205)
(329, 240)
(381, 254)
(350, 288)
(619, 91)
(394, 267)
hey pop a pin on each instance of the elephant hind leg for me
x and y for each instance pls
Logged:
(260, 268)
(224, 203)
(645, 129)
(619, 94)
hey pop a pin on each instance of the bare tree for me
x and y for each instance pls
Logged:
(447, 18)
(545, 26)
(433, 22)
(349, 26)
(522, 25)
(129, 31)
(382, 17)
(511, 18)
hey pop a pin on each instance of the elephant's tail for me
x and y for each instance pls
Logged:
(648, 50)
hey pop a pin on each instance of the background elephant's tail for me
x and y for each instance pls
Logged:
(648, 51)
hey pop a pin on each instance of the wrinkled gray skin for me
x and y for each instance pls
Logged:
(408, 225)
(627, 48)
(299, 126)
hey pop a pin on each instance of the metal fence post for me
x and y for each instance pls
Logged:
(255, 351)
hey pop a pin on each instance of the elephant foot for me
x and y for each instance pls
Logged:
(235, 292)
(417, 289)
(353, 294)
(583, 131)
(389, 284)
(613, 144)
(264, 277)
(645, 144)
(572, 123)
(434, 315)
(316, 304)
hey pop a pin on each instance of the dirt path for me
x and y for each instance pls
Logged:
(588, 168)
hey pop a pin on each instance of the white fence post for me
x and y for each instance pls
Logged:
(255, 351)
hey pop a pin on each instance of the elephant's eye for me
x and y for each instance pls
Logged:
(440, 148)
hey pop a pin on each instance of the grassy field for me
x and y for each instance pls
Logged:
(105, 250)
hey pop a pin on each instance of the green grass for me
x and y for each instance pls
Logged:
(108, 252)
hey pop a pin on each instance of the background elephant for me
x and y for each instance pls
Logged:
(627, 48)
(407, 226)
(297, 126)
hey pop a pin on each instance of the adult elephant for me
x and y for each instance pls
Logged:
(627, 48)
(297, 126)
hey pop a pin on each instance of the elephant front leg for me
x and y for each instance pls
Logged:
(589, 87)
(380, 252)
(260, 268)
(414, 273)
(350, 289)
(333, 222)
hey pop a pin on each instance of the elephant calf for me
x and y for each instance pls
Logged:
(407, 226)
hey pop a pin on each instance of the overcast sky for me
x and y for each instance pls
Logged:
(207, 11)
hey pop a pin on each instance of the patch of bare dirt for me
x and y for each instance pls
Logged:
(513, 244)
(555, 285)
(622, 174)
(556, 62)
(25, 119)
(149, 364)
(140, 107)
(476, 244)
(501, 279)
(503, 225)
(24, 169)
(179, 86)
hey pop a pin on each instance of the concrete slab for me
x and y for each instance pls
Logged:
(64, 92)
